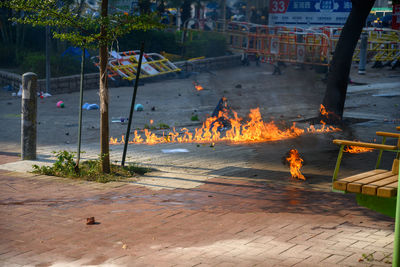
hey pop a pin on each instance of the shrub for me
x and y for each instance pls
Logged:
(89, 170)
(60, 65)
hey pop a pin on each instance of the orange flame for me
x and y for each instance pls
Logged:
(151, 121)
(295, 164)
(198, 86)
(325, 113)
(357, 149)
(255, 130)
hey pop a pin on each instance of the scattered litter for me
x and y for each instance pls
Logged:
(120, 119)
(60, 104)
(88, 106)
(14, 94)
(46, 94)
(153, 109)
(238, 86)
(125, 246)
(138, 107)
(176, 150)
(19, 94)
(90, 221)
(67, 133)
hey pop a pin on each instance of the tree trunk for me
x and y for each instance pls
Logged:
(338, 76)
(104, 130)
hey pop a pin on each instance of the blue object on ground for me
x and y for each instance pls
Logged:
(88, 106)
(138, 107)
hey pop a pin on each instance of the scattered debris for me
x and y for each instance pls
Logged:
(88, 106)
(60, 104)
(194, 118)
(138, 107)
(238, 86)
(153, 108)
(90, 221)
(120, 119)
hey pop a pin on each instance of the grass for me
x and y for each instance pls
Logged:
(159, 126)
(89, 170)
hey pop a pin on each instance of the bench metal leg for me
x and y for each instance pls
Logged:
(396, 247)
(378, 162)
(339, 159)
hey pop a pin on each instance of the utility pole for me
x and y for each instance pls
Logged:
(48, 59)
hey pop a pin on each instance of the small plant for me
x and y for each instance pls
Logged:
(367, 257)
(152, 127)
(194, 118)
(163, 126)
(89, 170)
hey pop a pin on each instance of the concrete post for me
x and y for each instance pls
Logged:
(363, 53)
(28, 116)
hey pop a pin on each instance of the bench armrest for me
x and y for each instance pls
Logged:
(363, 144)
(386, 134)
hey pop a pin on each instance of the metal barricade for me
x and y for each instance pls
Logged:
(124, 64)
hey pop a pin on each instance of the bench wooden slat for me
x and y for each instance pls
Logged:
(342, 183)
(371, 188)
(363, 144)
(355, 187)
(389, 190)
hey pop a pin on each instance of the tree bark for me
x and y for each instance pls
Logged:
(104, 129)
(338, 76)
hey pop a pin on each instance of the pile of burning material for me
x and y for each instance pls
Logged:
(198, 86)
(295, 164)
(223, 127)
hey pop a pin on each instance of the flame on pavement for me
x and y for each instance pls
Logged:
(223, 128)
(198, 86)
(295, 163)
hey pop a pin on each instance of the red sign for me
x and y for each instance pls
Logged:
(396, 17)
(278, 6)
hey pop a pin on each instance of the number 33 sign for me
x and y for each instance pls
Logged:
(278, 6)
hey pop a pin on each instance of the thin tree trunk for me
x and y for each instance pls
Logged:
(338, 76)
(104, 129)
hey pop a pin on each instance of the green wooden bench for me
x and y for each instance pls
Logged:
(375, 189)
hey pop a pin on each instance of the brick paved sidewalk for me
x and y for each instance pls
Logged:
(224, 222)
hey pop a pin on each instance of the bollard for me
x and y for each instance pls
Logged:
(363, 53)
(28, 116)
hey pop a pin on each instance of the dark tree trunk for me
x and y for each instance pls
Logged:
(339, 70)
(186, 10)
(104, 129)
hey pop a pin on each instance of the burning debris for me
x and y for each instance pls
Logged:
(198, 86)
(224, 127)
(295, 163)
(357, 149)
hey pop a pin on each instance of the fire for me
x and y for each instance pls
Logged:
(295, 163)
(325, 113)
(357, 149)
(222, 128)
(198, 86)
(151, 121)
